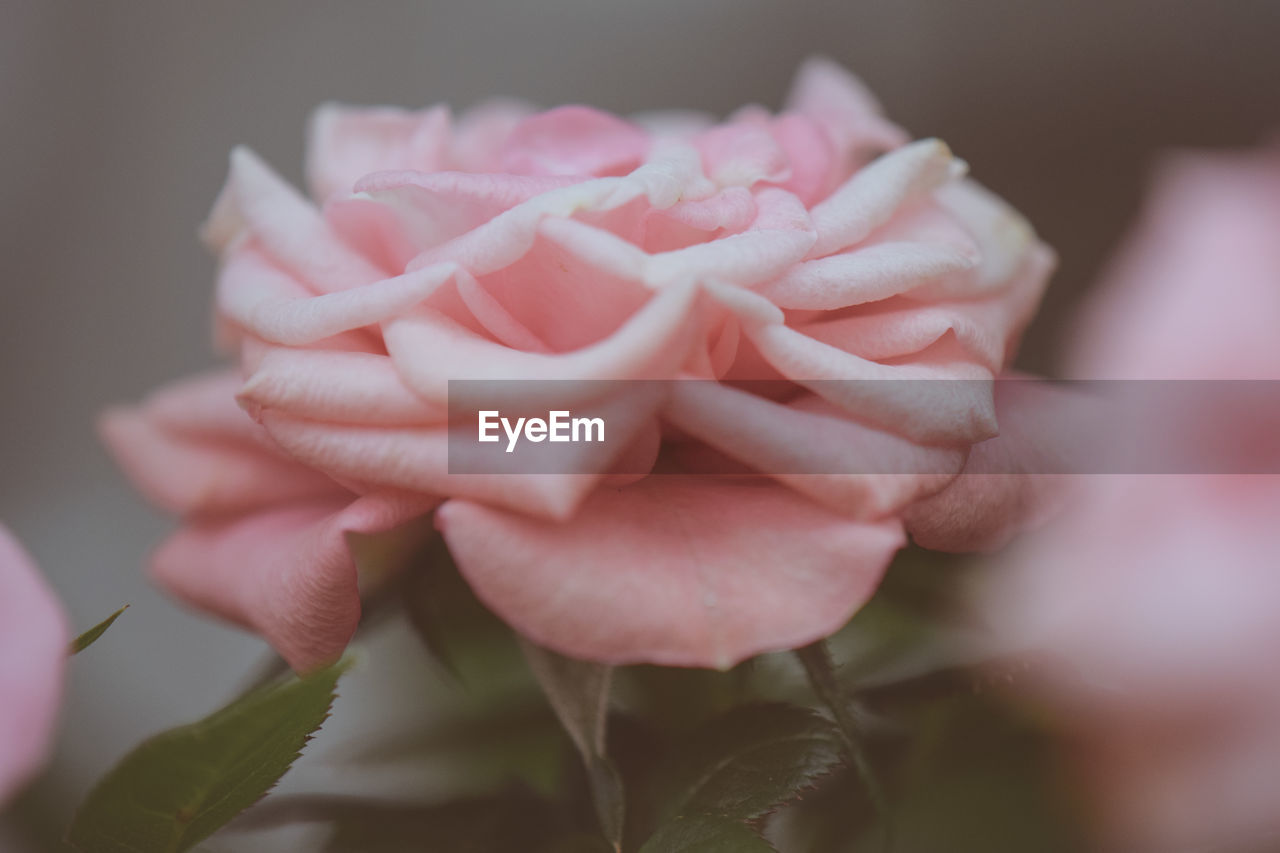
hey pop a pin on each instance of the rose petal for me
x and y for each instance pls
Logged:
(815, 167)
(434, 208)
(287, 574)
(286, 225)
(482, 133)
(673, 571)
(346, 387)
(429, 349)
(779, 237)
(846, 109)
(814, 448)
(535, 291)
(274, 307)
(742, 154)
(731, 210)
(987, 327)
(1011, 482)
(223, 466)
(952, 406)
(346, 143)
(574, 140)
(33, 652)
(865, 275)
(507, 237)
(418, 460)
(868, 199)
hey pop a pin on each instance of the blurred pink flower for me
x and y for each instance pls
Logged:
(576, 245)
(1157, 599)
(33, 653)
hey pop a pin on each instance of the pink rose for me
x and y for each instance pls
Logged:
(1157, 599)
(264, 543)
(575, 245)
(33, 652)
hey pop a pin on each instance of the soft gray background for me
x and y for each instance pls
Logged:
(116, 118)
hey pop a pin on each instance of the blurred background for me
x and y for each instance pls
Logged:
(116, 119)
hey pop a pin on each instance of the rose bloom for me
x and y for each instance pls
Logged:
(1154, 606)
(33, 653)
(570, 244)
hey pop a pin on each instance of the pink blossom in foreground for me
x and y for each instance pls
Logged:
(572, 244)
(1158, 598)
(33, 651)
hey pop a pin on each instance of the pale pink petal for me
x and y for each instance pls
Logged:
(346, 143)
(750, 308)
(1003, 237)
(814, 448)
(815, 166)
(987, 328)
(482, 133)
(219, 465)
(494, 317)
(274, 307)
(433, 208)
(674, 571)
(779, 237)
(574, 140)
(258, 202)
(373, 229)
(865, 275)
(287, 573)
(1014, 481)
(253, 349)
(203, 405)
(829, 94)
(587, 271)
(741, 155)
(345, 387)
(672, 173)
(429, 350)
(598, 248)
(504, 239)
(952, 406)
(689, 222)
(418, 460)
(33, 652)
(899, 328)
(447, 459)
(868, 199)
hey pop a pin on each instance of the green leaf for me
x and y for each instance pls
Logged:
(88, 638)
(179, 787)
(705, 834)
(751, 760)
(816, 659)
(578, 692)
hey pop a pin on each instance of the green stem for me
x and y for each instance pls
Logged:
(818, 666)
